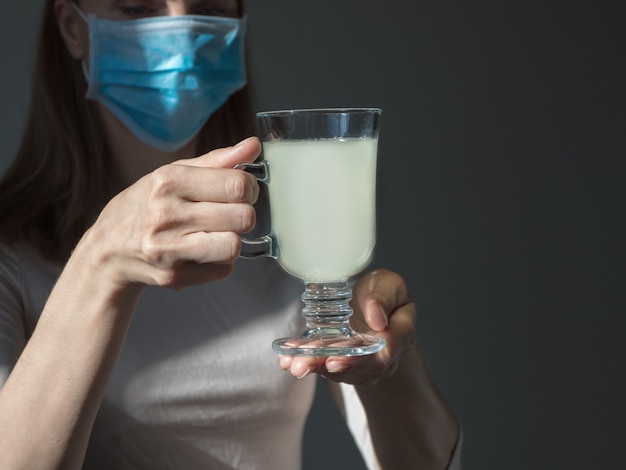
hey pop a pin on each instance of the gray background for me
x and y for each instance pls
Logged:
(500, 199)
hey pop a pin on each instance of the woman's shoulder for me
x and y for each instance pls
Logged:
(26, 279)
(15, 256)
(10, 265)
(23, 269)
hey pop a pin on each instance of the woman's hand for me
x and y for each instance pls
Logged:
(175, 227)
(410, 424)
(382, 306)
(180, 224)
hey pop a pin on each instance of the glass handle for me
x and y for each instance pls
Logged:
(260, 170)
(264, 246)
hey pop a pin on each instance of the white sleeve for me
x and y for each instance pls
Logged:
(455, 461)
(358, 426)
(356, 420)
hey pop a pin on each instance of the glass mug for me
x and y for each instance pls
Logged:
(320, 169)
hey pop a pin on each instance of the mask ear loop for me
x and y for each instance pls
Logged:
(82, 62)
(79, 11)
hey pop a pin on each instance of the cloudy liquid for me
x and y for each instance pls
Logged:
(322, 199)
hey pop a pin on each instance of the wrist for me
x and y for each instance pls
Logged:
(408, 405)
(96, 266)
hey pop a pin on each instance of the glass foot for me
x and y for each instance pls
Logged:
(329, 342)
(328, 333)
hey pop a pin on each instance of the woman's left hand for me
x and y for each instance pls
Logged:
(382, 307)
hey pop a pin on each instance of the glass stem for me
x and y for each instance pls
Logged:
(327, 307)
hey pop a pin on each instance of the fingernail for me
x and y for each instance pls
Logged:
(284, 365)
(306, 372)
(242, 142)
(336, 367)
(383, 314)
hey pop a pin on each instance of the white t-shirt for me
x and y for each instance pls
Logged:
(197, 385)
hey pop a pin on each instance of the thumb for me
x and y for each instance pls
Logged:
(245, 151)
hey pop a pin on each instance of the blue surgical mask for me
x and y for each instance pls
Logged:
(164, 76)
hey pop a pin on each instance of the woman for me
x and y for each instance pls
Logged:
(130, 334)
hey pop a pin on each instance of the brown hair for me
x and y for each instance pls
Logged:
(61, 176)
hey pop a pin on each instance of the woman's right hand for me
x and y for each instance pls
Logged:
(175, 227)
(180, 224)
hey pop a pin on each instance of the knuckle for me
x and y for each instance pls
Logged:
(387, 366)
(164, 270)
(240, 187)
(245, 218)
(230, 246)
(164, 180)
(167, 278)
(153, 252)
(159, 217)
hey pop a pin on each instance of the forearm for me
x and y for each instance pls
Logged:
(410, 423)
(50, 400)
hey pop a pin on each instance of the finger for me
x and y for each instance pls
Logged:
(223, 185)
(191, 274)
(197, 184)
(285, 361)
(215, 217)
(400, 333)
(173, 262)
(247, 150)
(302, 366)
(349, 369)
(377, 295)
(211, 247)
(165, 253)
(399, 337)
(359, 370)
